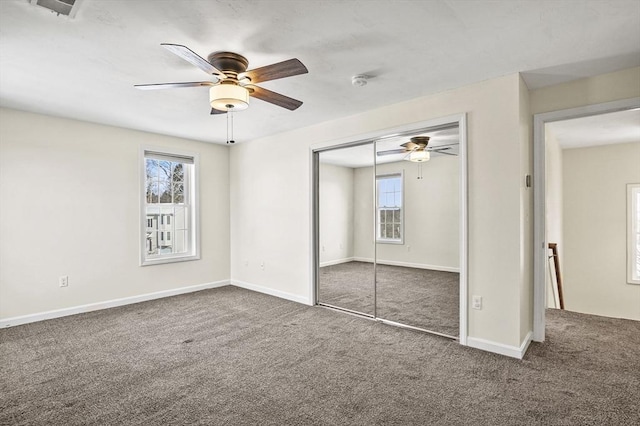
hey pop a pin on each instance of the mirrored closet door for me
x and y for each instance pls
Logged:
(346, 245)
(388, 229)
(417, 230)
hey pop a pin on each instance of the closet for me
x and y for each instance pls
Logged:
(387, 228)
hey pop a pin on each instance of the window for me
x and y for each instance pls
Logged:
(633, 233)
(169, 207)
(389, 228)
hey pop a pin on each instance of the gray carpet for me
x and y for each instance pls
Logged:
(417, 297)
(229, 356)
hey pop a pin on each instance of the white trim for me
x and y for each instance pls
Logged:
(464, 230)
(337, 261)
(41, 316)
(540, 251)
(501, 348)
(272, 292)
(408, 264)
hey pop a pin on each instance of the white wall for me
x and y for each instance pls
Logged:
(623, 84)
(336, 214)
(595, 229)
(614, 86)
(70, 206)
(269, 171)
(553, 210)
(431, 215)
(524, 142)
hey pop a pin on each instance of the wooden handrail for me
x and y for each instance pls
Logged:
(556, 265)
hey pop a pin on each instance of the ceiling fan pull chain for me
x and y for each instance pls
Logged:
(231, 114)
(230, 124)
(419, 170)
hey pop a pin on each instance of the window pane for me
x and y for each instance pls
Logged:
(396, 216)
(383, 233)
(179, 241)
(389, 230)
(388, 202)
(180, 218)
(396, 232)
(381, 216)
(152, 242)
(178, 192)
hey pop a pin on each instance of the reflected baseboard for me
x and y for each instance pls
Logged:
(337, 261)
(409, 264)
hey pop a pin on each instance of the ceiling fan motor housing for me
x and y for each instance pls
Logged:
(228, 62)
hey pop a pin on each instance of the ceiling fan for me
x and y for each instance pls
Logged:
(417, 149)
(232, 84)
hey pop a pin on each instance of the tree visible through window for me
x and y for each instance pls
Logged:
(389, 208)
(168, 207)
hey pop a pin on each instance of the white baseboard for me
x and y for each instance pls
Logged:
(26, 319)
(336, 262)
(271, 292)
(500, 348)
(409, 264)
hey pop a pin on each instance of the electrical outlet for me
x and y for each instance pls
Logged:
(64, 281)
(476, 302)
(408, 248)
(262, 265)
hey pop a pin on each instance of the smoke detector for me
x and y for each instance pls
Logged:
(359, 80)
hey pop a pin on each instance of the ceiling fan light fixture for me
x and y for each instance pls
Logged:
(224, 97)
(419, 156)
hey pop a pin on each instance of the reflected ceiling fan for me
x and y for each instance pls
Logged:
(417, 149)
(232, 84)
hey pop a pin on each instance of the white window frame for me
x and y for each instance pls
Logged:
(192, 199)
(402, 208)
(633, 232)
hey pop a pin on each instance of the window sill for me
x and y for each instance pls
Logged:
(397, 242)
(172, 259)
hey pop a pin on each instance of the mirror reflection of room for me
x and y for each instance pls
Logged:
(399, 217)
(346, 277)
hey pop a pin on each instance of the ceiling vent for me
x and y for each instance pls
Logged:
(61, 7)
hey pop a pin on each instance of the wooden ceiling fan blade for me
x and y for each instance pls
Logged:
(217, 111)
(172, 85)
(410, 146)
(272, 72)
(193, 58)
(392, 152)
(273, 97)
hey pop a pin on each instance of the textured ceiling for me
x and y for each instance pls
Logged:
(596, 130)
(85, 68)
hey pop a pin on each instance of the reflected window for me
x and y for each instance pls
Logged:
(389, 212)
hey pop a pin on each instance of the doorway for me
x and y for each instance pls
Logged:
(390, 227)
(546, 202)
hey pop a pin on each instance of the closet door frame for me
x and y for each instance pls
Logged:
(314, 154)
